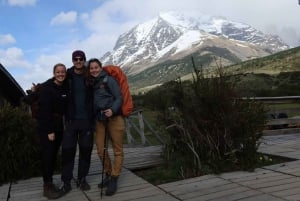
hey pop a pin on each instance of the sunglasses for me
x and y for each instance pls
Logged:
(78, 59)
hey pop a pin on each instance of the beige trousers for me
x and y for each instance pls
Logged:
(116, 130)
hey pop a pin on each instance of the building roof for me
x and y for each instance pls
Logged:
(9, 88)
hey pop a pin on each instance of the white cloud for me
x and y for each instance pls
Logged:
(22, 2)
(25, 72)
(63, 18)
(7, 39)
(12, 56)
(108, 19)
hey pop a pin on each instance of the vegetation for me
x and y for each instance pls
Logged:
(164, 174)
(210, 128)
(18, 141)
(206, 119)
(284, 61)
(283, 84)
(287, 61)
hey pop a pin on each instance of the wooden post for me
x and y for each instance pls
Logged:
(128, 134)
(142, 127)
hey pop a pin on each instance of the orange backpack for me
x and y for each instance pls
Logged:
(117, 73)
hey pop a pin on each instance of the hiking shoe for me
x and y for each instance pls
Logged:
(83, 185)
(66, 188)
(112, 186)
(105, 181)
(51, 192)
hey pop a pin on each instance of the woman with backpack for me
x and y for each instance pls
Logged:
(109, 121)
(51, 97)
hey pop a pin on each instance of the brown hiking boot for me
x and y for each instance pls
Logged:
(51, 192)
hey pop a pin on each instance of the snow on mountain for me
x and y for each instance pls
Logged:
(182, 43)
(171, 34)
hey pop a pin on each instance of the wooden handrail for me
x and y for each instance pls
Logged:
(139, 128)
(281, 125)
(276, 99)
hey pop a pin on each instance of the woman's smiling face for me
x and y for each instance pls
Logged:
(95, 69)
(60, 73)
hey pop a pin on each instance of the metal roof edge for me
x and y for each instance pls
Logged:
(12, 79)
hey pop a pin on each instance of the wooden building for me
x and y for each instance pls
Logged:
(10, 90)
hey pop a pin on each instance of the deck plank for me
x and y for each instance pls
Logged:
(130, 186)
(3, 192)
(276, 182)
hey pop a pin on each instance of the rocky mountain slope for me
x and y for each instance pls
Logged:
(161, 45)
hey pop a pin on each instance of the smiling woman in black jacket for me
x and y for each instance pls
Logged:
(52, 103)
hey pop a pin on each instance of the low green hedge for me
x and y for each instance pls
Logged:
(19, 156)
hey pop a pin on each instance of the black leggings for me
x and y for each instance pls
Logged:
(49, 150)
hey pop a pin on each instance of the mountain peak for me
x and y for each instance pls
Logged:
(186, 20)
(175, 34)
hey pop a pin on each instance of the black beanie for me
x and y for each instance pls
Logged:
(78, 53)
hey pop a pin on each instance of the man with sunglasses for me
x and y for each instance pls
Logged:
(78, 125)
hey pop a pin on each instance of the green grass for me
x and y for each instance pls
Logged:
(293, 109)
(284, 106)
(165, 173)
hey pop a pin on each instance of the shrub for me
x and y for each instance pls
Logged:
(19, 144)
(212, 129)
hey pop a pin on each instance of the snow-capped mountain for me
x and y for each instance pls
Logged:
(173, 35)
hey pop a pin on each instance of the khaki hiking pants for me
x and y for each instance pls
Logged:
(116, 130)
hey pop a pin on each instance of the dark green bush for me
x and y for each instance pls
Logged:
(19, 144)
(211, 128)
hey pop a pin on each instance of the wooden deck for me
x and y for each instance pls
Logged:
(131, 187)
(270, 183)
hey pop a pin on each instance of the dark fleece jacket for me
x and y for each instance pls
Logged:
(70, 113)
(107, 94)
(52, 104)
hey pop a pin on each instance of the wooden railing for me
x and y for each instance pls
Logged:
(281, 106)
(136, 125)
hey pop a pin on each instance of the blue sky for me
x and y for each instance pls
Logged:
(36, 34)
